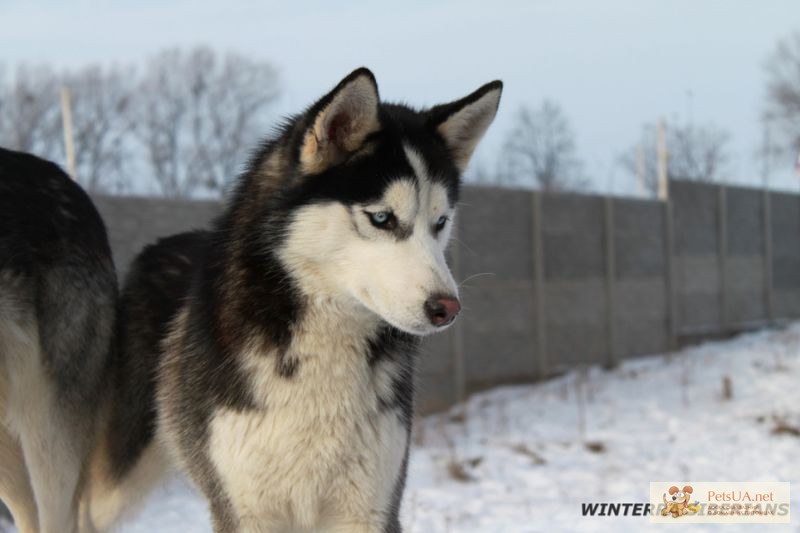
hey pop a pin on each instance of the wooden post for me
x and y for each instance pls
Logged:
(66, 116)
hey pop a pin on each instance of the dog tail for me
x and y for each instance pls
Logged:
(107, 497)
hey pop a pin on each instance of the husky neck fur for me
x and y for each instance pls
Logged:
(283, 385)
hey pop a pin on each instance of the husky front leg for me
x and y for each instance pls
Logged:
(48, 435)
(15, 488)
(52, 439)
(53, 457)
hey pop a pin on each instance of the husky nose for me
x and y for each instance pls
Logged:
(442, 310)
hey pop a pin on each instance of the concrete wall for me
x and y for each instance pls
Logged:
(551, 281)
(737, 258)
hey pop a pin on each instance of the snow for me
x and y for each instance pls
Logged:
(524, 458)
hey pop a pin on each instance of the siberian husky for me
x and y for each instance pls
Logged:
(272, 358)
(58, 293)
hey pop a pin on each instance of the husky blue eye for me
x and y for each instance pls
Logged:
(441, 222)
(383, 219)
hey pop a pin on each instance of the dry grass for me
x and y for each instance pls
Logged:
(727, 388)
(458, 471)
(458, 418)
(595, 446)
(784, 428)
(523, 449)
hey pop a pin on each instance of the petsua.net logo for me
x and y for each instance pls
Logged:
(720, 502)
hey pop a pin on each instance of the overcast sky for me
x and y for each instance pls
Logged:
(612, 65)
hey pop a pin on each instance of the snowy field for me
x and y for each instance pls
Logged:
(523, 459)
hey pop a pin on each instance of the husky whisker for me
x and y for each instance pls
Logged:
(473, 276)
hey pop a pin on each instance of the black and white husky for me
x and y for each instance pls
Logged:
(272, 358)
(58, 295)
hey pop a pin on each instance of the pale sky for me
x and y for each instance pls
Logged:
(612, 65)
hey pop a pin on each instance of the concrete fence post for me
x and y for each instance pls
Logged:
(457, 335)
(722, 233)
(670, 278)
(610, 281)
(769, 299)
(539, 289)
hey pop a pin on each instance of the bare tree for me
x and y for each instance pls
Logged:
(697, 153)
(540, 151)
(199, 113)
(29, 116)
(783, 90)
(102, 119)
(693, 153)
(188, 121)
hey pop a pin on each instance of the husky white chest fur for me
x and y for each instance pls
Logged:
(274, 355)
(323, 447)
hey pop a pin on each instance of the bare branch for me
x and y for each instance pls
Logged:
(30, 119)
(199, 114)
(783, 90)
(540, 151)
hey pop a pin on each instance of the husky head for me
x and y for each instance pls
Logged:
(369, 192)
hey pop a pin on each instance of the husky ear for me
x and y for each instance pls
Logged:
(340, 122)
(462, 123)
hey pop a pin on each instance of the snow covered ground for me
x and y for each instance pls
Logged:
(523, 459)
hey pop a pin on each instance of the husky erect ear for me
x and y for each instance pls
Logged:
(462, 123)
(341, 121)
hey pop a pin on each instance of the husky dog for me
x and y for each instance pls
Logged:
(58, 295)
(283, 382)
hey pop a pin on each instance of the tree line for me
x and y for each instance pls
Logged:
(540, 149)
(185, 119)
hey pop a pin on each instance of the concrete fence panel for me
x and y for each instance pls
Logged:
(696, 211)
(786, 254)
(495, 270)
(574, 252)
(133, 223)
(642, 307)
(744, 275)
